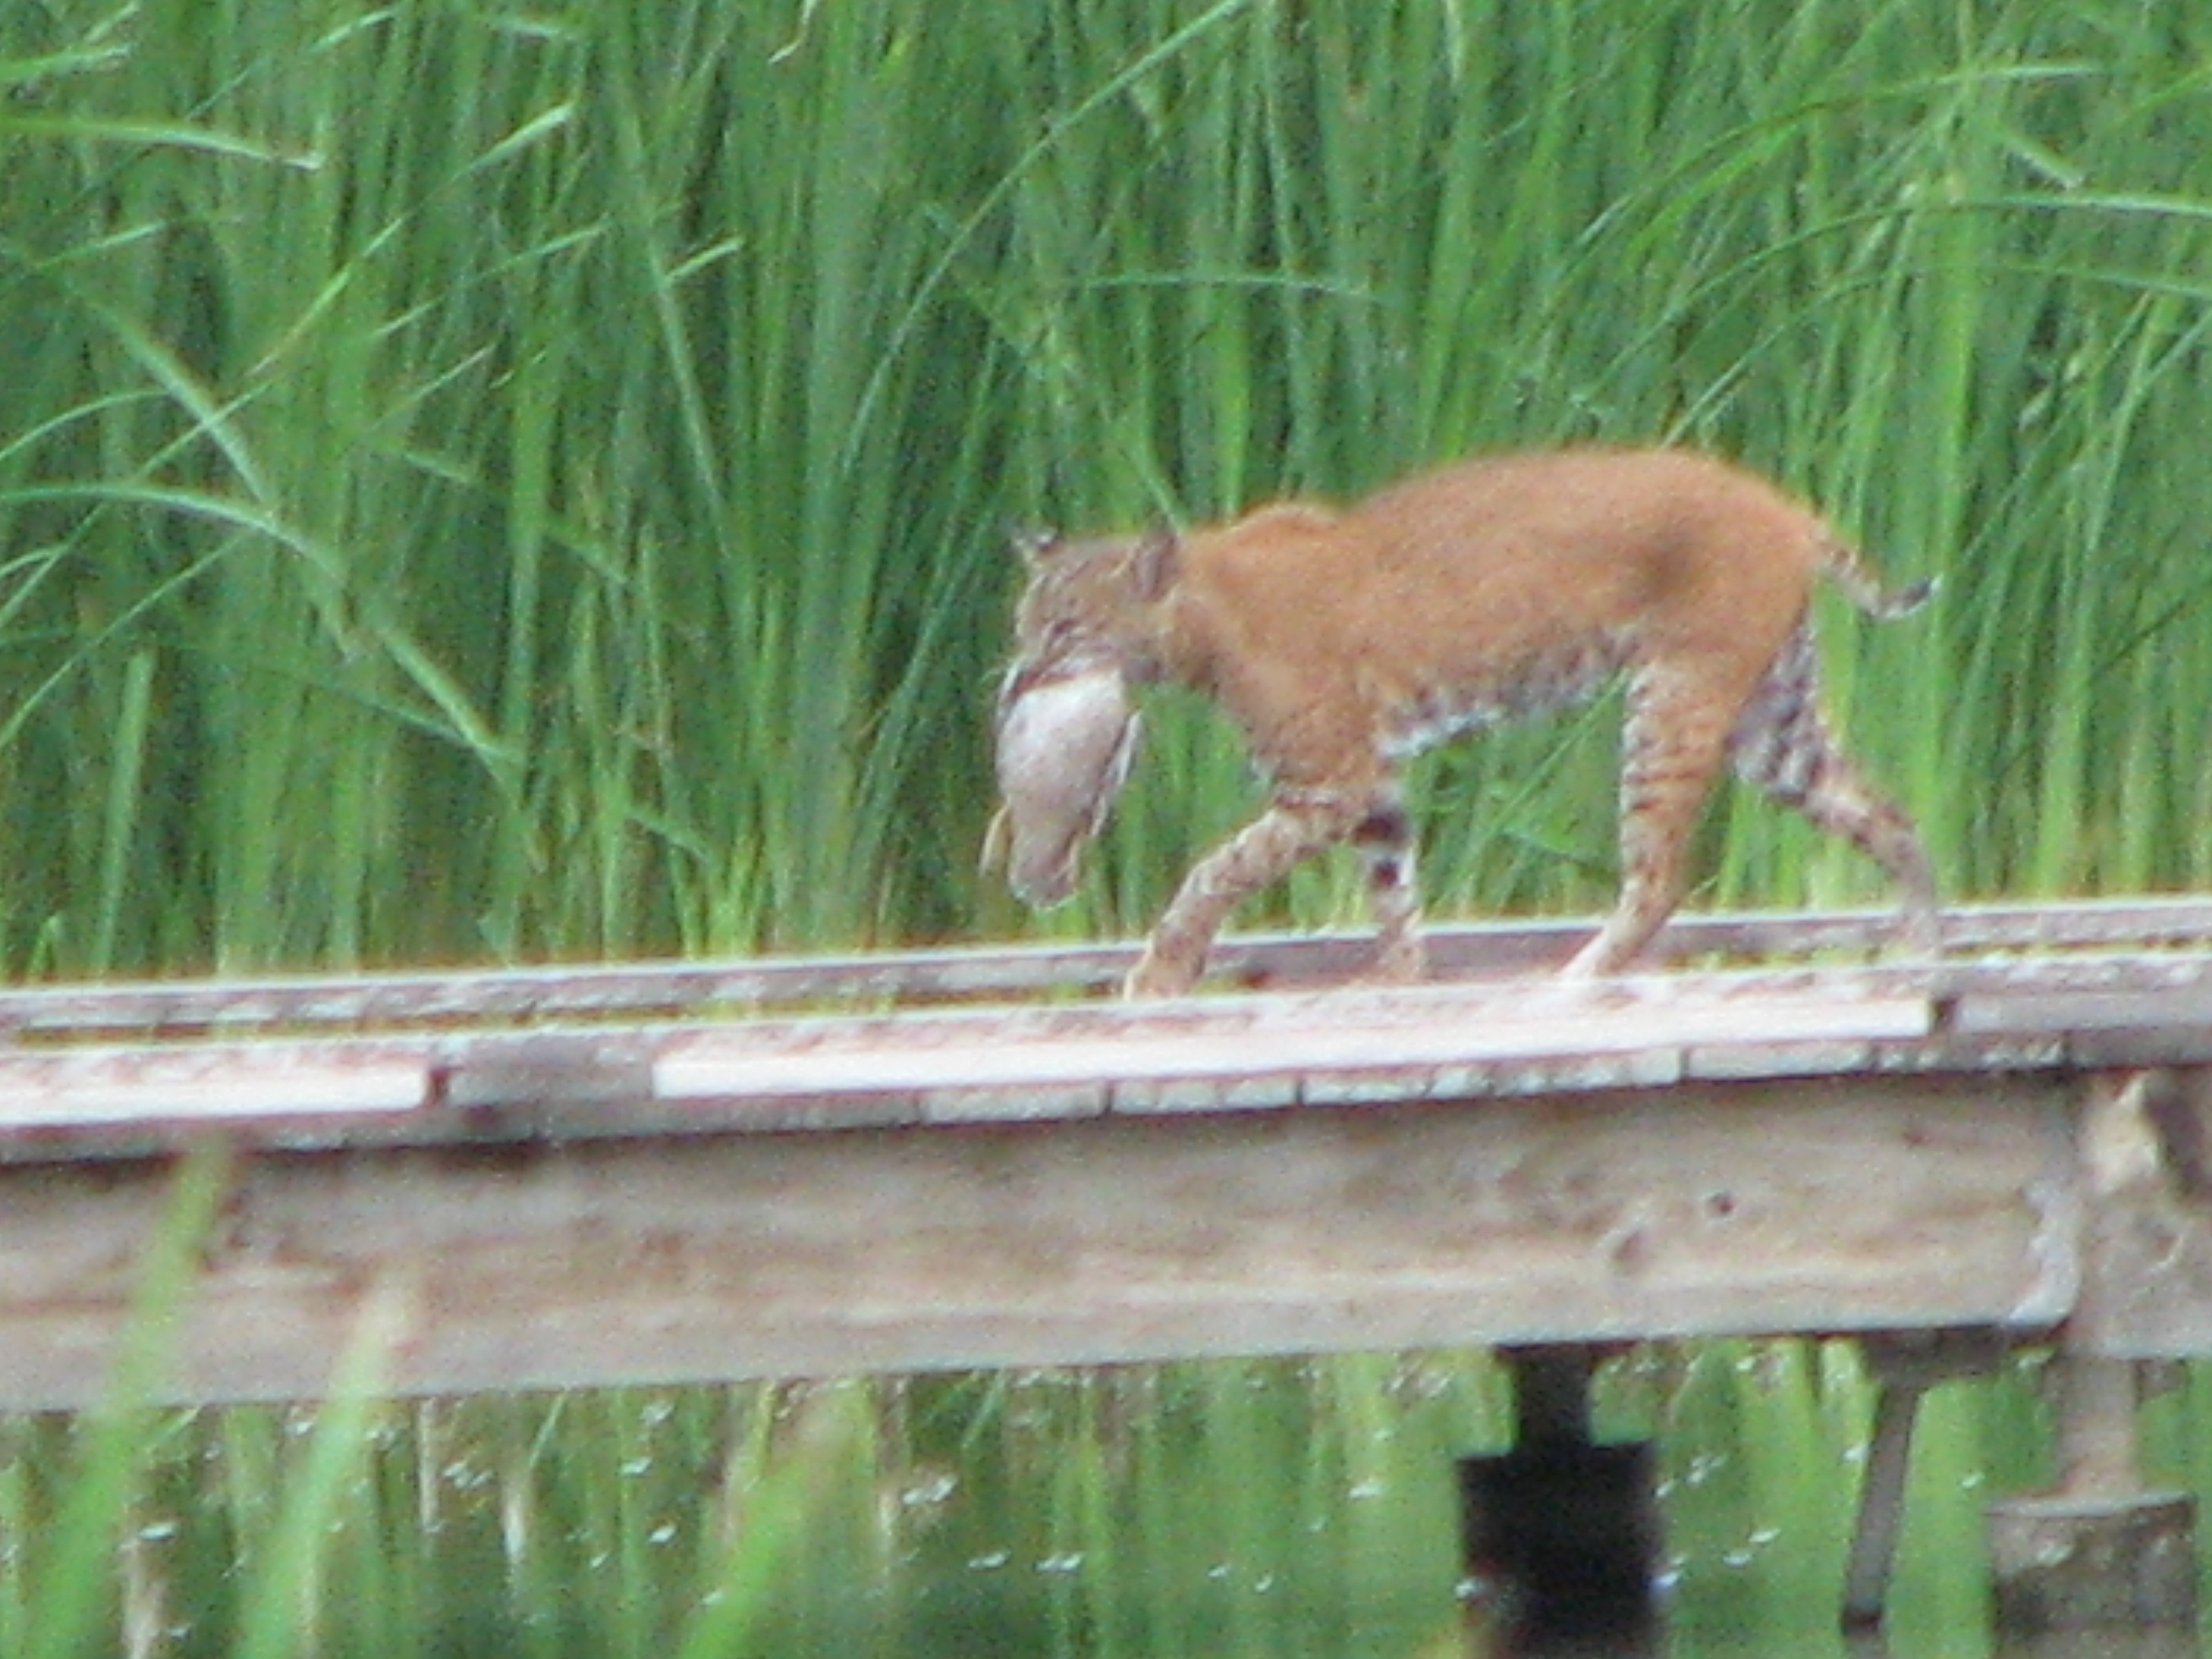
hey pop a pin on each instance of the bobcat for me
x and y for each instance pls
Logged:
(1343, 640)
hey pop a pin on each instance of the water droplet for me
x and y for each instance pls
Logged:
(931, 1489)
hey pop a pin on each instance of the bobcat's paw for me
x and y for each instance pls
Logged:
(1155, 975)
(1404, 962)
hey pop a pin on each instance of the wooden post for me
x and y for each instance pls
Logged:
(1882, 1503)
(1561, 1534)
(1905, 1366)
(1551, 1393)
(2103, 1549)
(2100, 1549)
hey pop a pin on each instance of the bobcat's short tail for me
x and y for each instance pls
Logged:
(1863, 589)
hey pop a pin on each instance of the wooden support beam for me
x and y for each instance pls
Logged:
(1830, 1204)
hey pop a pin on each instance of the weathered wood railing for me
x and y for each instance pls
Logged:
(543, 1177)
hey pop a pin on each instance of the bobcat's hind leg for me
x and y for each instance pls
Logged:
(1673, 743)
(1298, 823)
(1385, 838)
(1783, 746)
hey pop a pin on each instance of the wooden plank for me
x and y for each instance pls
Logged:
(537, 994)
(187, 1088)
(1346, 1035)
(1838, 1205)
(1346, 1045)
(941, 1064)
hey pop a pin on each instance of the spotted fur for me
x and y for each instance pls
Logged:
(1344, 641)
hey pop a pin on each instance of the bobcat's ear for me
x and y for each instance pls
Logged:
(1035, 544)
(1154, 563)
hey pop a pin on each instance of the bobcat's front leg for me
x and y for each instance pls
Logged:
(1299, 823)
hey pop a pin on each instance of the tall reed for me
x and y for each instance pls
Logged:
(486, 483)
(500, 482)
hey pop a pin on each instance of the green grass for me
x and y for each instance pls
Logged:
(479, 482)
(501, 482)
(1262, 1507)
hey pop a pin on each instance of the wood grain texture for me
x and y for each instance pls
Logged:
(1719, 1208)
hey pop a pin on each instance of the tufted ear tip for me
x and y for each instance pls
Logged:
(1035, 543)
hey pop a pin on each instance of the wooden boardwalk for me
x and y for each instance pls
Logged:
(548, 1178)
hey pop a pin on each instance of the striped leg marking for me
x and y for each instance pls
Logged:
(1385, 840)
(1673, 743)
(1297, 824)
(1783, 746)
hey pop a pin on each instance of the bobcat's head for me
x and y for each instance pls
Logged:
(1091, 602)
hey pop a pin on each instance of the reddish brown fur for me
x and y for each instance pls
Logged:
(1341, 640)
